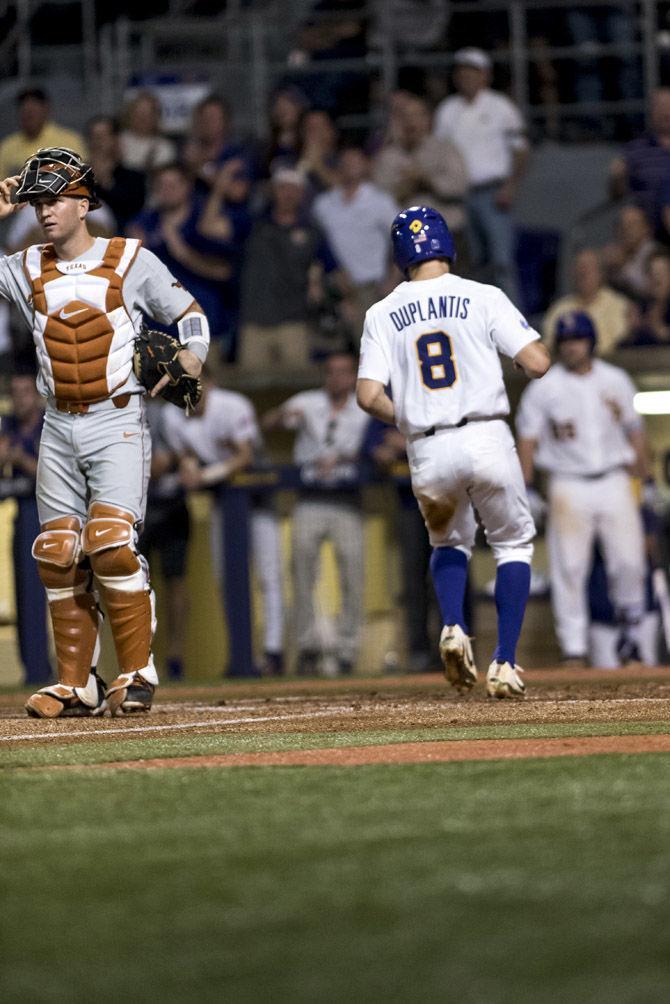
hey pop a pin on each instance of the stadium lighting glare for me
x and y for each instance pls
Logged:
(652, 402)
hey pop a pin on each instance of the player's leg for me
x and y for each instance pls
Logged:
(116, 448)
(266, 551)
(497, 492)
(570, 537)
(308, 534)
(621, 534)
(437, 480)
(66, 576)
(346, 532)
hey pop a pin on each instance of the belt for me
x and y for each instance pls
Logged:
(81, 407)
(434, 429)
(593, 477)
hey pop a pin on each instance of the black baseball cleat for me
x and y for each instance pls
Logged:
(62, 701)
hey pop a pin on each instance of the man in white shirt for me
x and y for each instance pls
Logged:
(435, 341)
(581, 427)
(488, 130)
(329, 428)
(355, 216)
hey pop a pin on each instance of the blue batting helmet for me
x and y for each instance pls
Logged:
(420, 234)
(575, 324)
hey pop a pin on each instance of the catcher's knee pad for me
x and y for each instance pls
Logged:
(57, 550)
(72, 605)
(108, 541)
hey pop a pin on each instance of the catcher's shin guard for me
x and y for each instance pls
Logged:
(109, 542)
(72, 604)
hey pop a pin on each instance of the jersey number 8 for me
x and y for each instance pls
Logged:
(436, 359)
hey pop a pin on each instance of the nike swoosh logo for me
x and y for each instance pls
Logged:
(72, 313)
(45, 547)
(101, 533)
(127, 435)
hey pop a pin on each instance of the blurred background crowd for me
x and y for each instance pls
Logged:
(540, 130)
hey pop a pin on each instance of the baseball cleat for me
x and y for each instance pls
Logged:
(63, 701)
(132, 692)
(457, 658)
(503, 680)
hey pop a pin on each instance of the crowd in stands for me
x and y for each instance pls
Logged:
(283, 240)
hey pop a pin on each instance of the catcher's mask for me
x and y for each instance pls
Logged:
(55, 171)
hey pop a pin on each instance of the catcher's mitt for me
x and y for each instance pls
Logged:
(156, 354)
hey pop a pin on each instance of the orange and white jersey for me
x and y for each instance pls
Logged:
(84, 313)
(436, 342)
(83, 332)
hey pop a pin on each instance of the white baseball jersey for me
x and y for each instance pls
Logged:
(323, 431)
(228, 420)
(436, 342)
(580, 421)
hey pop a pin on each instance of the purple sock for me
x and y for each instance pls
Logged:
(512, 589)
(449, 569)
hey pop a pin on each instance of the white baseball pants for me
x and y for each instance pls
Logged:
(474, 466)
(581, 510)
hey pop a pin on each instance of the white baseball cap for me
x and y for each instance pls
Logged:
(476, 58)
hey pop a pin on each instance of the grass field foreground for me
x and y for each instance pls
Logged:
(540, 880)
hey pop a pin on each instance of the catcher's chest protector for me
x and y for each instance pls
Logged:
(82, 330)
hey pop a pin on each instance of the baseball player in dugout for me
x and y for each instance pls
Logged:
(583, 430)
(435, 342)
(83, 298)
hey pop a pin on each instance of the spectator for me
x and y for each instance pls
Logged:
(210, 141)
(36, 130)
(581, 427)
(166, 530)
(609, 311)
(652, 327)
(221, 438)
(644, 163)
(317, 156)
(226, 220)
(488, 130)
(20, 433)
(334, 30)
(356, 217)
(420, 169)
(287, 109)
(627, 257)
(286, 259)
(330, 428)
(143, 148)
(171, 232)
(119, 187)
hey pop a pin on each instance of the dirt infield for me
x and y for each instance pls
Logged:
(357, 706)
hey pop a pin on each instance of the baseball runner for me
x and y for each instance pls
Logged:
(83, 298)
(581, 427)
(435, 340)
(221, 438)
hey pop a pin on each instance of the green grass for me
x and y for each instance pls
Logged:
(544, 880)
(50, 752)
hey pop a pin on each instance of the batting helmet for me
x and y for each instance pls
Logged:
(575, 324)
(55, 171)
(420, 234)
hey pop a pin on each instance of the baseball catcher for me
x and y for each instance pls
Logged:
(83, 299)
